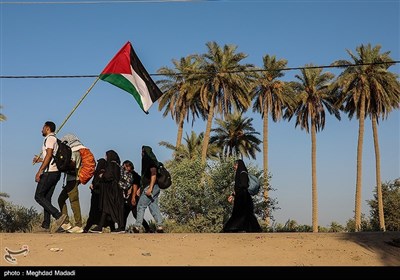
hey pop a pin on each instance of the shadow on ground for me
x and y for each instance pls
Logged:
(383, 243)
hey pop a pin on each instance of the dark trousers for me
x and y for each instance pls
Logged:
(128, 208)
(44, 192)
(106, 221)
(94, 212)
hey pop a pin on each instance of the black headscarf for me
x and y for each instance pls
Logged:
(100, 167)
(113, 167)
(113, 156)
(240, 172)
(148, 159)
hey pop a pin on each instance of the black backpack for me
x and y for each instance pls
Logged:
(164, 179)
(63, 158)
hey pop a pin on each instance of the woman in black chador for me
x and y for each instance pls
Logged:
(242, 218)
(111, 198)
(95, 210)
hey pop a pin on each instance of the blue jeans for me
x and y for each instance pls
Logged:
(43, 194)
(151, 202)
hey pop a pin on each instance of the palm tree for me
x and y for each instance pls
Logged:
(179, 90)
(312, 97)
(270, 98)
(368, 89)
(236, 136)
(192, 148)
(2, 117)
(225, 84)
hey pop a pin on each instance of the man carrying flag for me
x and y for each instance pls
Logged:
(127, 72)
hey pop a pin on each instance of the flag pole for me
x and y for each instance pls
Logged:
(73, 110)
(77, 104)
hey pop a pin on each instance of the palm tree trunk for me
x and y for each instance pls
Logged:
(265, 159)
(208, 131)
(180, 131)
(359, 164)
(314, 177)
(378, 174)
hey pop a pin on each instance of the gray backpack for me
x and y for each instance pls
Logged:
(254, 184)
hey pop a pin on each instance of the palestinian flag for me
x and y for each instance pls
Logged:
(127, 72)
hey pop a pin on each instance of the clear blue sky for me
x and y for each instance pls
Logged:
(80, 39)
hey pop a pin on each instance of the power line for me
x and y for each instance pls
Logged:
(48, 76)
(166, 1)
(93, 2)
(200, 73)
(288, 68)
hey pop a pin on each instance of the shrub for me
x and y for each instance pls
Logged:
(391, 207)
(197, 199)
(14, 218)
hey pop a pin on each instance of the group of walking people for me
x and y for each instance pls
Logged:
(118, 190)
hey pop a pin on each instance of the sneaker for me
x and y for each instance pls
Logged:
(58, 223)
(66, 227)
(159, 230)
(75, 229)
(135, 229)
(117, 231)
(87, 227)
(60, 230)
(96, 230)
(45, 225)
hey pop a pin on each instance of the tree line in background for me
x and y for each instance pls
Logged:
(189, 207)
(219, 83)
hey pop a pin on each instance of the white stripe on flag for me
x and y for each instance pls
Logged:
(141, 87)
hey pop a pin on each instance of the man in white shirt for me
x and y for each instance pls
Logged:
(47, 178)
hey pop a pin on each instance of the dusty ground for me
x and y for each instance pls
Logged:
(173, 249)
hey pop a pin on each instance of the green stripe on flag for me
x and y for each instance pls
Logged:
(123, 83)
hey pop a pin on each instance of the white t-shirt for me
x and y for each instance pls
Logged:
(50, 142)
